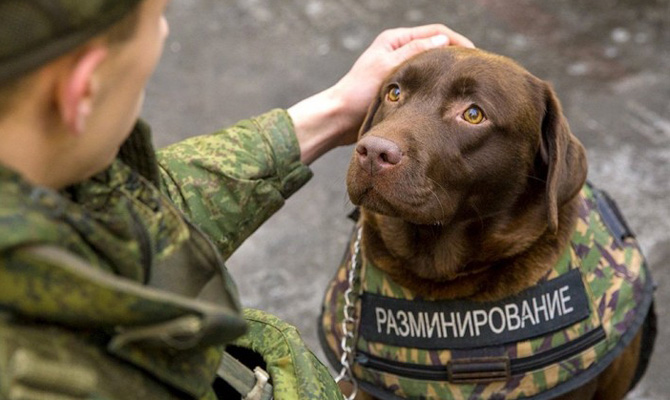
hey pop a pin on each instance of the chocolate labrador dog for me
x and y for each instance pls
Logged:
(488, 266)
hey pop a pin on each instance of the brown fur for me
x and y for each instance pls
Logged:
(456, 210)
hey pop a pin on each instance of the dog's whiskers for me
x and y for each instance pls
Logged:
(444, 212)
(535, 178)
(479, 216)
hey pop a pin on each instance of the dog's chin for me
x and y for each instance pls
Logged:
(432, 275)
(425, 214)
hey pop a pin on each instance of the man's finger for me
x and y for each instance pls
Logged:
(399, 37)
(419, 46)
(456, 39)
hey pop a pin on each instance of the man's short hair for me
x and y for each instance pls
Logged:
(124, 29)
(33, 32)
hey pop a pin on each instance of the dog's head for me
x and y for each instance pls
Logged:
(459, 134)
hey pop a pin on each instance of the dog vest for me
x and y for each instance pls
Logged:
(539, 344)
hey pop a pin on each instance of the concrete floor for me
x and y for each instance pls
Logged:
(609, 61)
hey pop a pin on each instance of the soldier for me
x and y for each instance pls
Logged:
(112, 283)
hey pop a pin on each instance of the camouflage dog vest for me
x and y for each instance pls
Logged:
(541, 343)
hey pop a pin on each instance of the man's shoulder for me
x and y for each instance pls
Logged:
(29, 215)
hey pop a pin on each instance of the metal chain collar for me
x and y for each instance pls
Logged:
(349, 322)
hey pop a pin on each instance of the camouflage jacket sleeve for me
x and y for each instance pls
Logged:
(231, 181)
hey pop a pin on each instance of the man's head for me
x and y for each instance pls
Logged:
(34, 31)
(85, 92)
(32, 34)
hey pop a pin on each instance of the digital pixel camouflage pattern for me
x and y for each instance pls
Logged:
(33, 32)
(617, 283)
(297, 372)
(108, 292)
(75, 261)
(231, 181)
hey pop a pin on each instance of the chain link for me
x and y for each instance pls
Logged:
(349, 322)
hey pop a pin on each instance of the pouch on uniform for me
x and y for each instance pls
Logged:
(294, 370)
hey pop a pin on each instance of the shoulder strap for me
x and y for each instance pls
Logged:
(138, 152)
(48, 362)
(151, 327)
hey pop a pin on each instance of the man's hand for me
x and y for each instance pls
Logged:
(332, 118)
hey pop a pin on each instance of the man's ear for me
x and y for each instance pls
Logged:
(78, 88)
(563, 155)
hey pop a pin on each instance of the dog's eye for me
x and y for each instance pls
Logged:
(393, 93)
(474, 115)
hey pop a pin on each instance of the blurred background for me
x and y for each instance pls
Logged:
(609, 61)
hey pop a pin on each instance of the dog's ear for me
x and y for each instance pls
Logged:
(369, 118)
(563, 155)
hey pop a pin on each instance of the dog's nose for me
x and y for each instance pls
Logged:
(376, 154)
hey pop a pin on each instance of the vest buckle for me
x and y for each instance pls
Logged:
(478, 370)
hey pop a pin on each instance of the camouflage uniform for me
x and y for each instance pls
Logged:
(108, 292)
(610, 273)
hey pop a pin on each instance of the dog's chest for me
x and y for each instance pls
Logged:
(528, 344)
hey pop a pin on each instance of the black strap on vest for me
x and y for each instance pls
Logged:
(612, 217)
